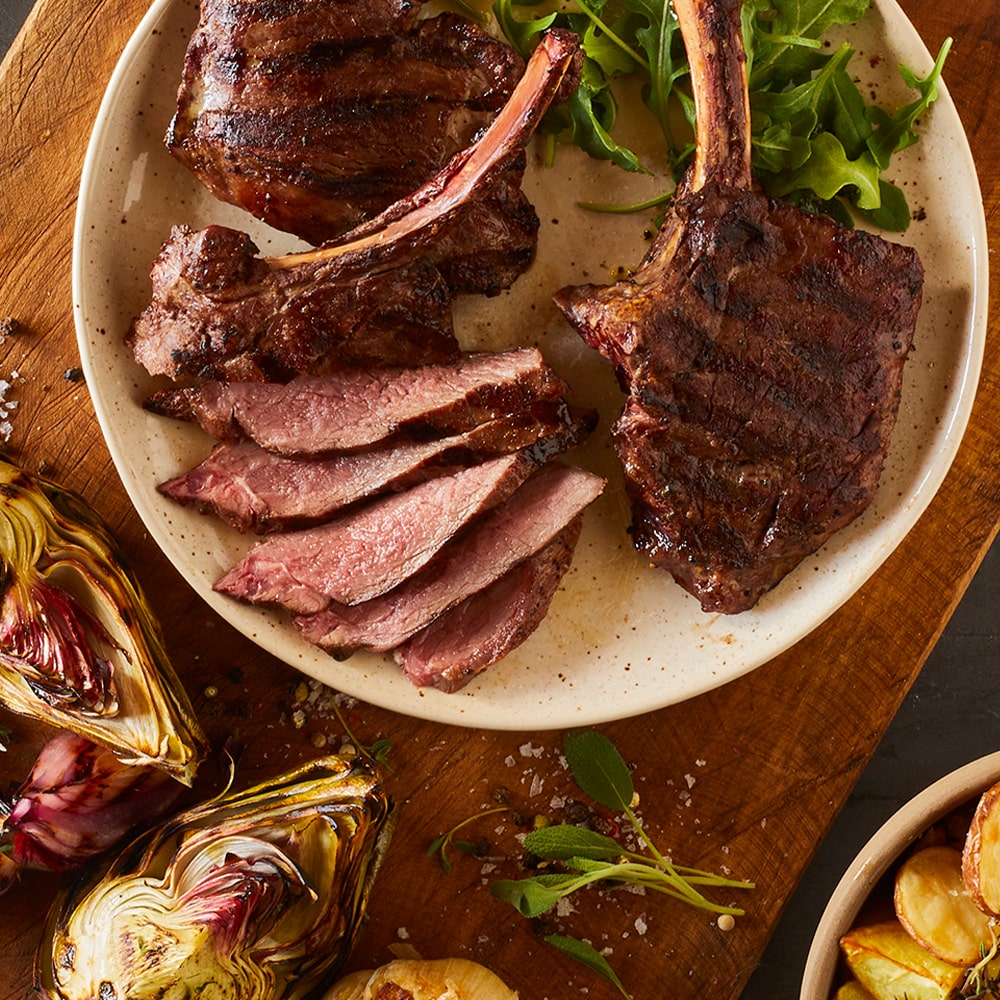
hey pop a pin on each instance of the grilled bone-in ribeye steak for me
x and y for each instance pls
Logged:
(219, 311)
(762, 349)
(315, 121)
(316, 114)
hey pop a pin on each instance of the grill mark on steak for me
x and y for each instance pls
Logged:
(762, 351)
(504, 537)
(217, 307)
(488, 625)
(364, 553)
(259, 491)
(350, 410)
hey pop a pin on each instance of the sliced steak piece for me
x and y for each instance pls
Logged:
(485, 627)
(257, 490)
(381, 114)
(762, 349)
(368, 551)
(505, 536)
(350, 410)
(217, 307)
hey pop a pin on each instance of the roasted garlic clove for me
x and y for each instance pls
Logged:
(422, 979)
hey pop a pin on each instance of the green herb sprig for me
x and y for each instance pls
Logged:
(441, 846)
(815, 137)
(588, 857)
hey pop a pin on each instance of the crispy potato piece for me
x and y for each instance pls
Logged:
(934, 906)
(852, 990)
(890, 964)
(981, 855)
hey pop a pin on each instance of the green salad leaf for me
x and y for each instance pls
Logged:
(816, 137)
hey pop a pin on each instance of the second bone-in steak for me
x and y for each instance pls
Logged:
(762, 349)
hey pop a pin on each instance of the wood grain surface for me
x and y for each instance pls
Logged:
(745, 779)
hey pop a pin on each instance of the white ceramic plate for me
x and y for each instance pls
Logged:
(878, 855)
(620, 639)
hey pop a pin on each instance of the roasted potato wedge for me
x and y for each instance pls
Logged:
(981, 855)
(852, 990)
(934, 906)
(889, 964)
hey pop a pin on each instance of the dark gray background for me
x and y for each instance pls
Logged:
(948, 719)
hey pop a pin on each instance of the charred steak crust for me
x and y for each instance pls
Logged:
(762, 351)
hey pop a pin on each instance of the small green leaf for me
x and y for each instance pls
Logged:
(828, 170)
(589, 956)
(598, 768)
(892, 133)
(532, 897)
(521, 34)
(561, 841)
(893, 214)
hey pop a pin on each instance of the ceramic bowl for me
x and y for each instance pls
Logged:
(877, 856)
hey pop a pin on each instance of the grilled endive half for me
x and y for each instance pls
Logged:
(256, 895)
(80, 648)
(423, 979)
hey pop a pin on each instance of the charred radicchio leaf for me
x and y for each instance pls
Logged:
(80, 648)
(255, 894)
(79, 801)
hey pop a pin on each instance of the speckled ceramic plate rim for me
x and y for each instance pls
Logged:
(875, 858)
(620, 640)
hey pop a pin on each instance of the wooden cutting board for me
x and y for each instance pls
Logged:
(745, 779)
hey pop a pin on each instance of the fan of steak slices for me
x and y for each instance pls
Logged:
(375, 296)
(400, 474)
(314, 115)
(366, 552)
(762, 350)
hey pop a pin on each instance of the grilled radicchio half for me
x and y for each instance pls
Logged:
(79, 801)
(254, 894)
(80, 648)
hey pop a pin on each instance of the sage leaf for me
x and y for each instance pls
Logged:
(598, 768)
(589, 956)
(560, 842)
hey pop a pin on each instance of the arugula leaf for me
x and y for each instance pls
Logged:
(598, 768)
(589, 956)
(523, 35)
(783, 33)
(892, 133)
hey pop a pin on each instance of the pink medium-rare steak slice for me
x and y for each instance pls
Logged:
(372, 549)
(503, 537)
(215, 306)
(259, 491)
(762, 349)
(485, 627)
(354, 409)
